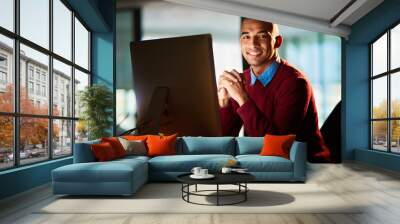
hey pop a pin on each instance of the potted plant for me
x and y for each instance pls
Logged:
(96, 104)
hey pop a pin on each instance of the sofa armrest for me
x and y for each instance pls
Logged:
(83, 152)
(298, 155)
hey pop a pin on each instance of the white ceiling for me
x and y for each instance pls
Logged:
(326, 16)
(320, 9)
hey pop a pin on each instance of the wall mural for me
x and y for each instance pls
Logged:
(315, 56)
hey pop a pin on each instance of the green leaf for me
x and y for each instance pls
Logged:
(96, 103)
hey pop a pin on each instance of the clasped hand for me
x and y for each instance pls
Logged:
(230, 85)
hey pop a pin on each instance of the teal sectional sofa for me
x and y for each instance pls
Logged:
(125, 176)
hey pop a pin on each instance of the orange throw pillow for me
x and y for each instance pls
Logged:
(277, 145)
(103, 152)
(135, 137)
(116, 145)
(161, 145)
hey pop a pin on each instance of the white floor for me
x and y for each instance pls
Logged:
(378, 190)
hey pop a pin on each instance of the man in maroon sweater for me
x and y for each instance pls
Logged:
(271, 97)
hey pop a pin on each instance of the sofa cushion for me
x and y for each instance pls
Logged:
(103, 152)
(112, 171)
(185, 163)
(257, 163)
(116, 145)
(249, 145)
(135, 137)
(277, 145)
(134, 147)
(208, 145)
(161, 145)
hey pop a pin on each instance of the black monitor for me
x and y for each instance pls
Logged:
(175, 86)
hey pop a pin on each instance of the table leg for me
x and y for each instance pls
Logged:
(196, 188)
(182, 189)
(217, 194)
(245, 193)
(188, 190)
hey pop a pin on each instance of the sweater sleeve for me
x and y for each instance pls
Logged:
(290, 109)
(230, 120)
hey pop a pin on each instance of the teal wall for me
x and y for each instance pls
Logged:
(356, 85)
(103, 52)
(24, 178)
(99, 15)
(380, 159)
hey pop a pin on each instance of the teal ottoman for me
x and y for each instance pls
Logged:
(118, 177)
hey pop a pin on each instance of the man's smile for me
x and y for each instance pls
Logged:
(254, 52)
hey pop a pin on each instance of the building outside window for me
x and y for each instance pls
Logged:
(384, 92)
(34, 77)
(43, 77)
(3, 77)
(30, 87)
(30, 72)
(55, 96)
(38, 89)
(3, 72)
(43, 90)
(38, 75)
(3, 81)
(3, 60)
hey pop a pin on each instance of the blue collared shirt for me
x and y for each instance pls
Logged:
(266, 76)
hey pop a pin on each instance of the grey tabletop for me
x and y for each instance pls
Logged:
(220, 178)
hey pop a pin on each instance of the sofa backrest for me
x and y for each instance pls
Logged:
(191, 146)
(249, 145)
(83, 153)
(206, 145)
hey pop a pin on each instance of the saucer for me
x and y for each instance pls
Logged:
(208, 176)
(240, 171)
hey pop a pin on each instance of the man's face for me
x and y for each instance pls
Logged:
(257, 42)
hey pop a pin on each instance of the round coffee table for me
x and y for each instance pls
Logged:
(238, 179)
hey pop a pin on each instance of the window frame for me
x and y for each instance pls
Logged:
(388, 74)
(16, 115)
